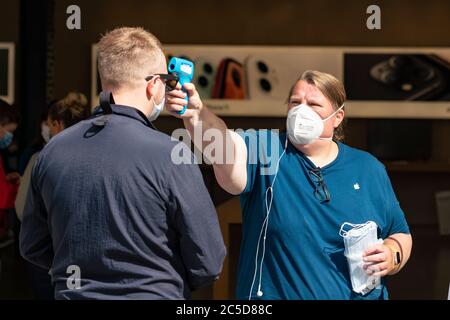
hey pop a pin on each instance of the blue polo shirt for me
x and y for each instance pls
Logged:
(304, 256)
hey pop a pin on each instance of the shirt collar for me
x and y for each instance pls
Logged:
(309, 164)
(126, 111)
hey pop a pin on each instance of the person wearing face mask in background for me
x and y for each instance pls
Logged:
(292, 246)
(106, 196)
(8, 182)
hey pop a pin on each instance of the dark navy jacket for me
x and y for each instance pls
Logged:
(110, 201)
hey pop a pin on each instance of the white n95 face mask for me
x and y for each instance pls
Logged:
(356, 240)
(304, 125)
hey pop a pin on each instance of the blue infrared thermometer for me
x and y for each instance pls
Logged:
(184, 70)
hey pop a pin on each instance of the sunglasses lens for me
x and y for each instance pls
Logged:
(171, 84)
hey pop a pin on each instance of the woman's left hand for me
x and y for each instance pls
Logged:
(378, 260)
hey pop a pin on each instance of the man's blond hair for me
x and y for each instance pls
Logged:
(126, 56)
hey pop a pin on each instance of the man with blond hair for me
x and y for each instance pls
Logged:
(108, 212)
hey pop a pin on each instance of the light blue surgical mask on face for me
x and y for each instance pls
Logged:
(6, 141)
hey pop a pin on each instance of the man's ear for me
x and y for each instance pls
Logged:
(339, 117)
(151, 88)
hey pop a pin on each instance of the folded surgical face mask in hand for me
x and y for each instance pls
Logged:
(358, 238)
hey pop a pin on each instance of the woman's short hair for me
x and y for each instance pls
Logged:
(70, 110)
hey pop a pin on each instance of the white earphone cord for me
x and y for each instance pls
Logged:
(264, 227)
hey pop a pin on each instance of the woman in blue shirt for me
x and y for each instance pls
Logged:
(299, 191)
